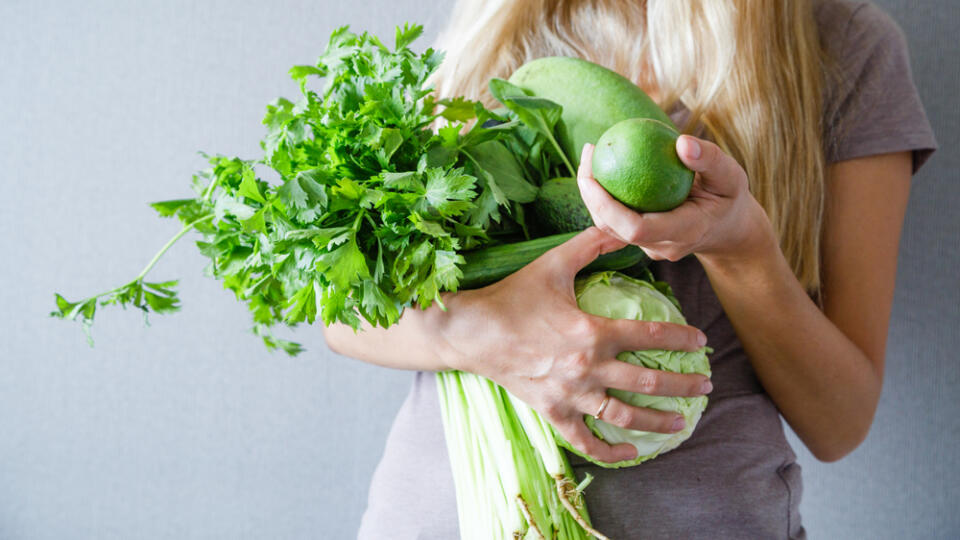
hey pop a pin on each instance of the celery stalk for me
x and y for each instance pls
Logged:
(512, 480)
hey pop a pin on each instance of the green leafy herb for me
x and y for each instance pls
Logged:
(539, 114)
(373, 206)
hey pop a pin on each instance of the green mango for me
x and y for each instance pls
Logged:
(593, 98)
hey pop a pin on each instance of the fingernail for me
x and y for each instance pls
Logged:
(678, 424)
(706, 387)
(690, 147)
(701, 339)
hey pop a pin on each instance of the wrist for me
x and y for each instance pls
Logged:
(441, 328)
(756, 248)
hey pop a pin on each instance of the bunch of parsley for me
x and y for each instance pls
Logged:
(372, 208)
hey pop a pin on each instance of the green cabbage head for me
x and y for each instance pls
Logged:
(617, 296)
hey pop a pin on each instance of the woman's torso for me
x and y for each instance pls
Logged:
(736, 477)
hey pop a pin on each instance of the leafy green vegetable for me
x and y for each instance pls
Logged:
(372, 208)
(539, 114)
(614, 295)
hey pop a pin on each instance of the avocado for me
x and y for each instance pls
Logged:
(558, 207)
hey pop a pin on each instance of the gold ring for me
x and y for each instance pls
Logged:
(603, 407)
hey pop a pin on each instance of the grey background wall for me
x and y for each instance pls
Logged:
(188, 428)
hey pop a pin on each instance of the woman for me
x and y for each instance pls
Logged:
(808, 129)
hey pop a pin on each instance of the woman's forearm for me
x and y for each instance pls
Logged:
(823, 384)
(414, 343)
(824, 370)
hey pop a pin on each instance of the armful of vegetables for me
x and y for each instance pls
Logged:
(373, 209)
(376, 212)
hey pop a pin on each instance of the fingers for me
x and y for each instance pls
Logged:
(630, 335)
(626, 416)
(719, 172)
(579, 435)
(652, 382)
(618, 220)
(600, 204)
(571, 256)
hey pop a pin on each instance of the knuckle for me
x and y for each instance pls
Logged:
(593, 233)
(584, 172)
(577, 367)
(621, 417)
(586, 330)
(648, 382)
(672, 255)
(602, 226)
(656, 255)
(635, 235)
(602, 206)
(675, 252)
(656, 331)
(713, 156)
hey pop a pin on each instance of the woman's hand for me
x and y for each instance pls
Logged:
(720, 218)
(527, 334)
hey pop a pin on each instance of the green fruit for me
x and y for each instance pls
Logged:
(593, 98)
(636, 161)
(558, 207)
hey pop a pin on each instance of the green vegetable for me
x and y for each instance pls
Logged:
(511, 479)
(372, 208)
(614, 295)
(636, 161)
(558, 207)
(538, 114)
(485, 266)
(592, 97)
(499, 166)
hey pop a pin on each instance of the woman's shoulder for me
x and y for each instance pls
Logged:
(871, 104)
(850, 28)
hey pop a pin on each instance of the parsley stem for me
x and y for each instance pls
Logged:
(358, 221)
(209, 191)
(186, 228)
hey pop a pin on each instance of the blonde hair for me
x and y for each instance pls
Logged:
(750, 72)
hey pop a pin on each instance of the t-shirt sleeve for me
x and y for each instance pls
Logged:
(874, 107)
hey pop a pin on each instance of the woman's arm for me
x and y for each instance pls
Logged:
(526, 333)
(823, 369)
(412, 343)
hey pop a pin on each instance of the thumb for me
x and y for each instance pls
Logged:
(571, 256)
(720, 174)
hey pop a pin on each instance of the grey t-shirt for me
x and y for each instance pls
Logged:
(736, 477)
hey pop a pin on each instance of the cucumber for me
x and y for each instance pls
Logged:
(593, 98)
(558, 207)
(485, 266)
